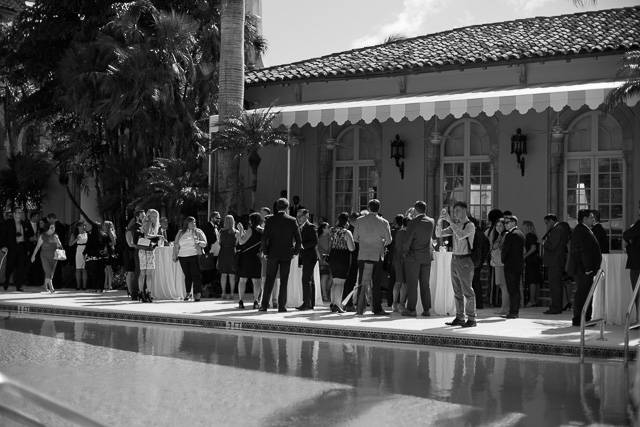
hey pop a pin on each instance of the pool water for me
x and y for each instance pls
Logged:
(124, 374)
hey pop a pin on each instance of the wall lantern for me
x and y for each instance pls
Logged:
(397, 153)
(519, 147)
(331, 144)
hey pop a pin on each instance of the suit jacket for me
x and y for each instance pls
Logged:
(8, 234)
(309, 236)
(209, 230)
(554, 246)
(281, 238)
(28, 234)
(513, 250)
(601, 236)
(584, 252)
(632, 237)
(417, 245)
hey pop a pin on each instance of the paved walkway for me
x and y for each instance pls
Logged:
(533, 332)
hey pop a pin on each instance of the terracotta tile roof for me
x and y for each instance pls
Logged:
(575, 35)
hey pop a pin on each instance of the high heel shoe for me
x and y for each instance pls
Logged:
(241, 305)
(188, 297)
(332, 307)
(196, 297)
(567, 307)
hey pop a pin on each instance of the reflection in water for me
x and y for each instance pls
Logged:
(367, 381)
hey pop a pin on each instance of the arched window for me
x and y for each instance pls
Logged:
(355, 174)
(594, 173)
(466, 169)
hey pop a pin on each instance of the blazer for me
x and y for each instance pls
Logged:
(8, 234)
(584, 251)
(632, 236)
(513, 250)
(554, 246)
(417, 245)
(309, 236)
(281, 237)
(601, 236)
(211, 233)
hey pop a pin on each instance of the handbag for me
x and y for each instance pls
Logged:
(215, 247)
(206, 261)
(59, 255)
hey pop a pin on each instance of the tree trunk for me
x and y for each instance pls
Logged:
(231, 98)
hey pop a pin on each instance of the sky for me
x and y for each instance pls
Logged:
(302, 29)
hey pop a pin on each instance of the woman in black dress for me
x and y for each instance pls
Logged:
(340, 247)
(532, 263)
(95, 255)
(250, 260)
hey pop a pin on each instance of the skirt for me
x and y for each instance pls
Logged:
(339, 263)
(147, 260)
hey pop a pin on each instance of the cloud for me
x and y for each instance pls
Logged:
(532, 6)
(409, 22)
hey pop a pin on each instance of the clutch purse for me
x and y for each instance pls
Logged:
(144, 242)
(60, 255)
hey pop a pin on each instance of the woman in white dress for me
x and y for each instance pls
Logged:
(79, 238)
(147, 256)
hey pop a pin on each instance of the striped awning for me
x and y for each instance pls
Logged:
(521, 99)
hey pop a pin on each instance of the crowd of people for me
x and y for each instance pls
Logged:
(353, 256)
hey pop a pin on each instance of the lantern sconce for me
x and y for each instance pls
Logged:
(519, 147)
(397, 153)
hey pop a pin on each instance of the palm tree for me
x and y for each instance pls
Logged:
(231, 97)
(629, 71)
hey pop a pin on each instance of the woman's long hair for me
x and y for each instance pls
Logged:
(155, 224)
(529, 228)
(185, 224)
(229, 223)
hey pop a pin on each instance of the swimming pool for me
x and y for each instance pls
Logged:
(123, 374)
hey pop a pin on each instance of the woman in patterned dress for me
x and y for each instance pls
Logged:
(79, 238)
(340, 247)
(147, 257)
(48, 242)
(228, 239)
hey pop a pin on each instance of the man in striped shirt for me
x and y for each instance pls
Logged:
(463, 232)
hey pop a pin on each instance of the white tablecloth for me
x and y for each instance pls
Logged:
(442, 300)
(168, 278)
(294, 285)
(618, 290)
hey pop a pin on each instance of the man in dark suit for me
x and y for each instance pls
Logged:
(35, 275)
(585, 259)
(482, 242)
(417, 253)
(211, 230)
(600, 233)
(632, 236)
(13, 241)
(280, 243)
(513, 260)
(293, 210)
(554, 248)
(308, 258)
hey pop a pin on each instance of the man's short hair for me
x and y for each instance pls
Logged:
(32, 214)
(163, 219)
(460, 204)
(596, 214)
(398, 220)
(137, 213)
(282, 204)
(421, 207)
(215, 214)
(583, 213)
(302, 212)
(52, 216)
(283, 193)
(551, 216)
(512, 218)
(266, 210)
(374, 205)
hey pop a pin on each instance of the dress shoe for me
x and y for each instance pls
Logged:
(567, 307)
(282, 310)
(196, 298)
(350, 308)
(5, 286)
(510, 316)
(551, 312)
(20, 289)
(469, 324)
(455, 322)
(262, 309)
(256, 305)
(407, 312)
(426, 314)
(381, 313)
(303, 308)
